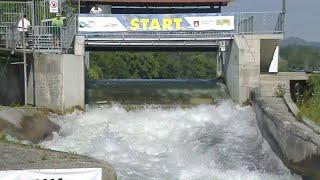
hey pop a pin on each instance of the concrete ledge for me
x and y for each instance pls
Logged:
(296, 140)
(297, 144)
(20, 157)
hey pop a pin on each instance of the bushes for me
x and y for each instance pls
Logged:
(310, 103)
(152, 65)
(280, 91)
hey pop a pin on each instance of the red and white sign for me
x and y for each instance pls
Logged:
(54, 6)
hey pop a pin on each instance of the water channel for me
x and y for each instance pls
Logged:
(169, 130)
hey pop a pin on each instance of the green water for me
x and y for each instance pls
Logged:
(163, 92)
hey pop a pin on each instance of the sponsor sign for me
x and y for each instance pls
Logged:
(155, 22)
(54, 6)
(53, 174)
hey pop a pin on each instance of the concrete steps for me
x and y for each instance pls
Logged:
(269, 82)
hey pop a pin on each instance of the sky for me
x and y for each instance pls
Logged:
(302, 19)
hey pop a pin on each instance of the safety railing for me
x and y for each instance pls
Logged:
(3, 36)
(35, 10)
(10, 11)
(147, 36)
(260, 23)
(13, 36)
(69, 33)
(48, 38)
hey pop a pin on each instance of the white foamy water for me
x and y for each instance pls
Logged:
(205, 142)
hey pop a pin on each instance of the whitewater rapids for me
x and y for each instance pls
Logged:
(214, 142)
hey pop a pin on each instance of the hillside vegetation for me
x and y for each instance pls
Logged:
(299, 57)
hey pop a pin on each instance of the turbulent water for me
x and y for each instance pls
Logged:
(203, 142)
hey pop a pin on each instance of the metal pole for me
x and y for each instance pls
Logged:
(284, 6)
(79, 6)
(24, 60)
(284, 10)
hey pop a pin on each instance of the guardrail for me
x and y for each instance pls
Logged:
(12, 37)
(260, 23)
(69, 33)
(47, 38)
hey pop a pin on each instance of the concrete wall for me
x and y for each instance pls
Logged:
(58, 81)
(269, 82)
(231, 71)
(242, 64)
(11, 78)
(297, 144)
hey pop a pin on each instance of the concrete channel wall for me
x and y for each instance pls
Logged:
(297, 144)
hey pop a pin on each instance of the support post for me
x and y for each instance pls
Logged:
(24, 61)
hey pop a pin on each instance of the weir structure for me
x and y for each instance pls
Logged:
(246, 42)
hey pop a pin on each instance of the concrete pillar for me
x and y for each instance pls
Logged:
(59, 81)
(79, 47)
(242, 67)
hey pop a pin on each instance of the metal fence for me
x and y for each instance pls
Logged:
(260, 23)
(69, 32)
(3, 35)
(10, 11)
(12, 37)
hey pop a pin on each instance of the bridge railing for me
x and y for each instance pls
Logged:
(260, 23)
(147, 36)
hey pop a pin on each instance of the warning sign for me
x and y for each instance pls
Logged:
(54, 6)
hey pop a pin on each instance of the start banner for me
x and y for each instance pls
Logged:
(155, 22)
(53, 174)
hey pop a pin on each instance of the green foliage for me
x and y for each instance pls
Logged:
(45, 156)
(95, 72)
(310, 104)
(2, 137)
(283, 65)
(280, 91)
(152, 65)
(299, 57)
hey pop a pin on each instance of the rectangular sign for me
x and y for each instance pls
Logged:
(155, 22)
(53, 174)
(54, 6)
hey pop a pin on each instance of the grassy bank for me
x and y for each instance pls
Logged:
(309, 104)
